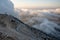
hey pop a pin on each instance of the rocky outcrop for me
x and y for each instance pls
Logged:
(12, 28)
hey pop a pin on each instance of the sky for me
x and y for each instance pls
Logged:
(36, 3)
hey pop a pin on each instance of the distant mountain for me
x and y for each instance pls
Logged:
(12, 28)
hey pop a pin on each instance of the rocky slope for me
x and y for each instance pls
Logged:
(12, 28)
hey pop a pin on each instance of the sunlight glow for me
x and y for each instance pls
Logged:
(36, 3)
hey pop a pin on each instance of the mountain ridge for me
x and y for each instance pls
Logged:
(11, 25)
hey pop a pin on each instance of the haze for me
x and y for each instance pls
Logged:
(36, 3)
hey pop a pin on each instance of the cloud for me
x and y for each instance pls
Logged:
(46, 20)
(7, 7)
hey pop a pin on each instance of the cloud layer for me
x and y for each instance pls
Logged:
(46, 20)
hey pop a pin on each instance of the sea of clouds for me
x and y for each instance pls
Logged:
(46, 20)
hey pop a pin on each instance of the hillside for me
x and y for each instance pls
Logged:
(12, 28)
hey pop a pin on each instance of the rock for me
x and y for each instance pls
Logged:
(12, 28)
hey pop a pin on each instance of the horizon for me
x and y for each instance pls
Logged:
(36, 3)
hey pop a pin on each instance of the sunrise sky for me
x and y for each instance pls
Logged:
(36, 3)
